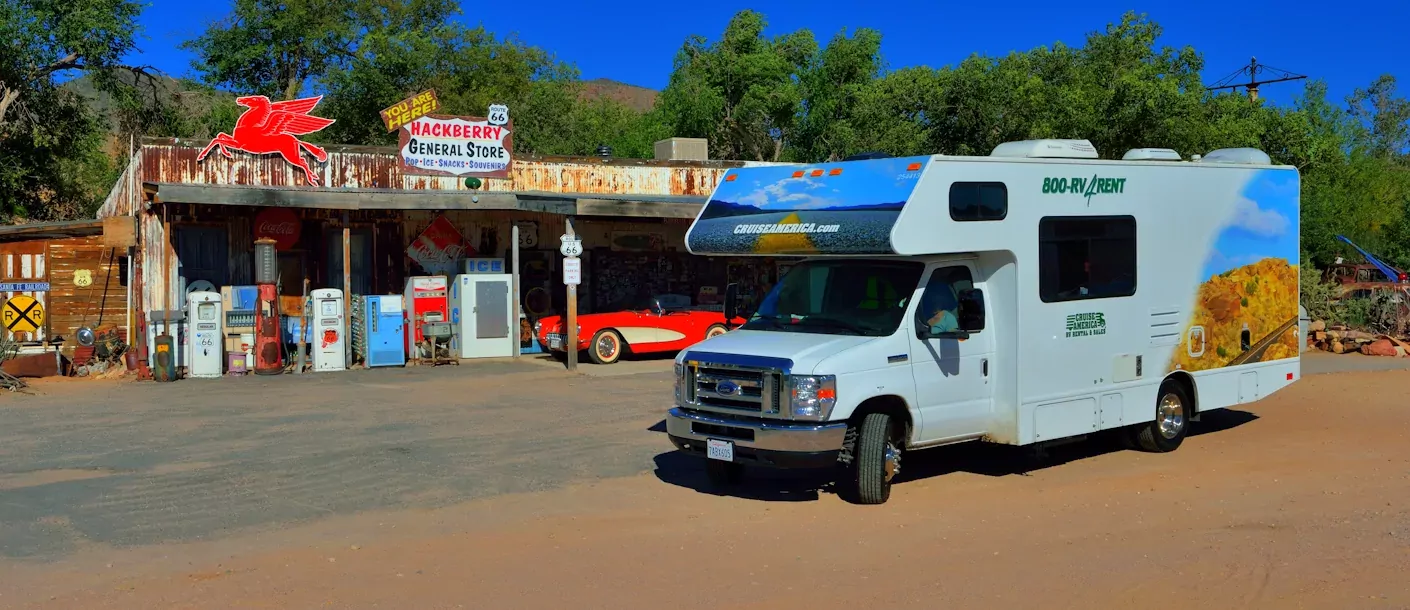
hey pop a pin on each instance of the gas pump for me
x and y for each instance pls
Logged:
(328, 312)
(204, 340)
(268, 359)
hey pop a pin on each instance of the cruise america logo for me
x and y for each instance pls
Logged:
(1086, 187)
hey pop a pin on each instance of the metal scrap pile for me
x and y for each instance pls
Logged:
(1342, 340)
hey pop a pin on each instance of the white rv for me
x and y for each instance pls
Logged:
(1033, 295)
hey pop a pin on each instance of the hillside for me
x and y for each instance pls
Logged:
(637, 98)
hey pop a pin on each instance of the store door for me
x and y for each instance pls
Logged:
(202, 253)
(360, 248)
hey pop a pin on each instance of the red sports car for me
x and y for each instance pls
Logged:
(647, 328)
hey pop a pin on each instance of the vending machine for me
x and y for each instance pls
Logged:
(206, 342)
(329, 315)
(425, 301)
(481, 313)
(382, 325)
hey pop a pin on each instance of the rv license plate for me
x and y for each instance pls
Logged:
(719, 450)
(555, 342)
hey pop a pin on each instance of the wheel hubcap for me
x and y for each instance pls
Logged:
(892, 461)
(1171, 415)
(607, 346)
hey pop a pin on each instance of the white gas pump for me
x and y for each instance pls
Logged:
(329, 344)
(206, 342)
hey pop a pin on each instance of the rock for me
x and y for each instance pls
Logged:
(1317, 326)
(1382, 347)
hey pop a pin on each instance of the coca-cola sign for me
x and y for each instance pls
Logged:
(279, 224)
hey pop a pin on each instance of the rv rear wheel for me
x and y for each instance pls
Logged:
(876, 460)
(1173, 409)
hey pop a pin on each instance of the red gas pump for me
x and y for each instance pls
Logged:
(268, 357)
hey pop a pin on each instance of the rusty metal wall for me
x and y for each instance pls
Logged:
(361, 167)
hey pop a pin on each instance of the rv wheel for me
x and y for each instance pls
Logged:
(1172, 420)
(876, 460)
(606, 347)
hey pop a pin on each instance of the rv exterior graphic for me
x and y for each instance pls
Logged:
(1033, 295)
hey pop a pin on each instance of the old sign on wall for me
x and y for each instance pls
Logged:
(437, 145)
(279, 224)
(439, 248)
(410, 109)
(22, 314)
(268, 128)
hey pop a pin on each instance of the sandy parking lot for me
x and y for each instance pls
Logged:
(516, 485)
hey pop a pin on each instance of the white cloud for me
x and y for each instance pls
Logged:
(786, 192)
(1258, 221)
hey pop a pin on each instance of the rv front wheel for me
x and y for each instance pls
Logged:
(876, 460)
(1172, 420)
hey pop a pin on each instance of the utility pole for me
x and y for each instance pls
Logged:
(571, 248)
(1252, 71)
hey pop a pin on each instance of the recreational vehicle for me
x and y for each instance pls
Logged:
(1034, 295)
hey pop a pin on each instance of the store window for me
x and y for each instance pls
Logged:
(1086, 257)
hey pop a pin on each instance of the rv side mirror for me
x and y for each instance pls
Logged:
(731, 304)
(971, 316)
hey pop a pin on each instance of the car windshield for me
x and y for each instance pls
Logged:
(839, 297)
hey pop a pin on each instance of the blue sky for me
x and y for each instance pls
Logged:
(1263, 224)
(634, 42)
(861, 183)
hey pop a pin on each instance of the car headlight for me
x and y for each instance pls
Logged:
(812, 396)
(680, 381)
(538, 326)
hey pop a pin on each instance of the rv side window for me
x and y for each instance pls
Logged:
(1086, 257)
(973, 201)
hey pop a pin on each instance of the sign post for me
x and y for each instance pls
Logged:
(571, 248)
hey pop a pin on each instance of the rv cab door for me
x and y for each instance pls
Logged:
(951, 361)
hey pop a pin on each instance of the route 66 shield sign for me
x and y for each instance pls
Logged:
(83, 278)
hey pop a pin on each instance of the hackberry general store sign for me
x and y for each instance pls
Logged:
(438, 145)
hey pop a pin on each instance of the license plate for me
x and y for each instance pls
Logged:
(719, 450)
(555, 342)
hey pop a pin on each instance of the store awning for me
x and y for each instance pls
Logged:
(567, 204)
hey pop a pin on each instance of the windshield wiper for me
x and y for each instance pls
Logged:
(771, 320)
(837, 323)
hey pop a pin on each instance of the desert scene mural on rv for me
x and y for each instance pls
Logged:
(1246, 309)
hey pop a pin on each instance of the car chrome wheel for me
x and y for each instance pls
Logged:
(892, 462)
(1170, 415)
(607, 346)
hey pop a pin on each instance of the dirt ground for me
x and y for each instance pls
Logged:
(516, 485)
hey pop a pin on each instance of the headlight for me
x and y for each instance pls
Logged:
(538, 326)
(812, 396)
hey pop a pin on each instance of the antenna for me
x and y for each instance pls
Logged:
(1252, 72)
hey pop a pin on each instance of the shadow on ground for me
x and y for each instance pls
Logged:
(987, 459)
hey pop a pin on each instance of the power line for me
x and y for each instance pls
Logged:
(1252, 72)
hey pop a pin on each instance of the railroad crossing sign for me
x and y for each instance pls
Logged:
(23, 314)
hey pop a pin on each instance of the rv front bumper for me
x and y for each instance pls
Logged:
(782, 444)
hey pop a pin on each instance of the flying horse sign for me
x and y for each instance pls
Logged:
(271, 127)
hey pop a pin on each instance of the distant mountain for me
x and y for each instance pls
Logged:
(637, 98)
(725, 209)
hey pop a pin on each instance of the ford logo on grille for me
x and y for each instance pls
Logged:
(726, 388)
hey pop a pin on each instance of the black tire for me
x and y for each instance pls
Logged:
(598, 350)
(1167, 431)
(724, 474)
(715, 330)
(869, 481)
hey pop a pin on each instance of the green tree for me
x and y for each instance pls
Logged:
(741, 92)
(51, 143)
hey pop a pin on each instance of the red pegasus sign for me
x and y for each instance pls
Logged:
(269, 127)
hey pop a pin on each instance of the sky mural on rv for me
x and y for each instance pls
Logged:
(1263, 225)
(849, 209)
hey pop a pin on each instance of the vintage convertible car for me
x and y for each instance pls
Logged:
(657, 325)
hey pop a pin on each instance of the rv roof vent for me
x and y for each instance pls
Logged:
(1151, 154)
(1241, 156)
(1046, 149)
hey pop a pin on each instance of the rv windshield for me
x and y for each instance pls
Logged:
(839, 297)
